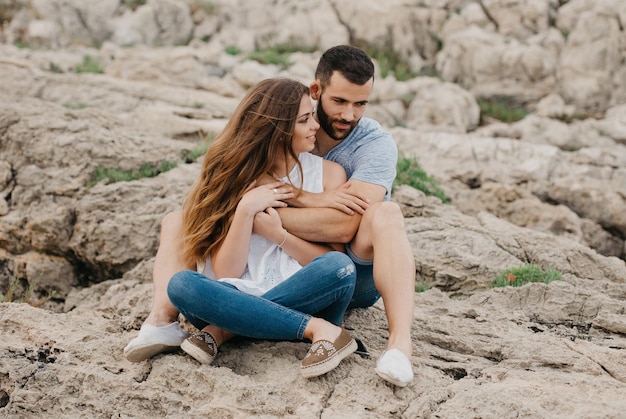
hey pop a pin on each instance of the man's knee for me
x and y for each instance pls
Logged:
(382, 222)
(384, 215)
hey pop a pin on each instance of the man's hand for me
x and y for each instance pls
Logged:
(344, 198)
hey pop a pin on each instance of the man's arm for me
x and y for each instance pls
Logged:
(342, 197)
(328, 225)
(338, 193)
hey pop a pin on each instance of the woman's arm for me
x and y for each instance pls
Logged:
(230, 260)
(269, 225)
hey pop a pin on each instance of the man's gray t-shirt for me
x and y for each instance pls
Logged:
(368, 154)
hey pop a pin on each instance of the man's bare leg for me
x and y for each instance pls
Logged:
(382, 238)
(160, 331)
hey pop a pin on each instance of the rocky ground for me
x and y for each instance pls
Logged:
(549, 189)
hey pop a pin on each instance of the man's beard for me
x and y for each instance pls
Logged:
(327, 124)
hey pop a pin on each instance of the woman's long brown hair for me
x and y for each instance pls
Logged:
(259, 131)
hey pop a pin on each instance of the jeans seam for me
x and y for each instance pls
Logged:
(304, 318)
(303, 324)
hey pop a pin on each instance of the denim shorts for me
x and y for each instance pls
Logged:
(365, 293)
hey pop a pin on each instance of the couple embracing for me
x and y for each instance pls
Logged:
(289, 225)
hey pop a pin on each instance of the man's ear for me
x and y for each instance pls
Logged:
(316, 90)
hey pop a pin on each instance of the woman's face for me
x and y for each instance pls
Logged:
(306, 127)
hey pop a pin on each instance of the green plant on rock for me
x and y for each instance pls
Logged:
(389, 62)
(232, 50)
(199, 149)
(76, 106)
(27, 296)
(207, 6)
(422, 286)
(502, 108)
(580, 116)
(89, 65)
(428, 71)
(409, 172)
(133, 4)
(145, 170)
(21, 44)
(406, 99)
(520, 275)
(10, 294)
(278, 55)
(112, 174)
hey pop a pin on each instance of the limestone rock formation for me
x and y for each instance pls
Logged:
(93, 85)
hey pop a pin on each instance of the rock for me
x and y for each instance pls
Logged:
(548, 189)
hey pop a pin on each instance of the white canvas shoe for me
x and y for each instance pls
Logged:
(394, 366)
(153, 340)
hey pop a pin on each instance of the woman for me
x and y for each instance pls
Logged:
(271, 291)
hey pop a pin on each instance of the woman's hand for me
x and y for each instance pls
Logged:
(342, 198)
(257, 199)
(267, 224)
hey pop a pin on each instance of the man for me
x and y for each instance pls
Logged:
(376, 238)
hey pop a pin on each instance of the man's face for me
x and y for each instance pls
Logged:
(341, 105)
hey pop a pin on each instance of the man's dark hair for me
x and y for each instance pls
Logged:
(353, 63)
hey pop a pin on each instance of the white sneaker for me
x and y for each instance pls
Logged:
(393, 366)
(153, 340)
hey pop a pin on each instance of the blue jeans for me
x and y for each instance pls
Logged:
(365, 293)
(323, 288)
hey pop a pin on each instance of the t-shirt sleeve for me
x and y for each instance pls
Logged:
(375, 162)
